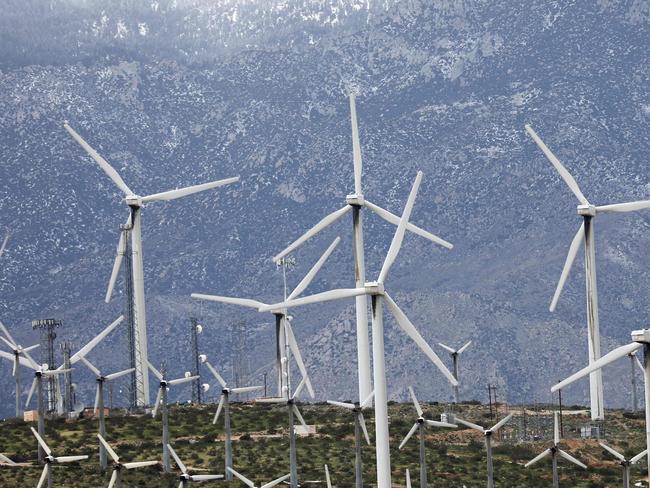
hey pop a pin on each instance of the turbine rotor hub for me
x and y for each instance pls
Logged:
(374, 288)
(587, 210)
(355, 200)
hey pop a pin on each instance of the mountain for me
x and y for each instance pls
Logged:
(178, 92)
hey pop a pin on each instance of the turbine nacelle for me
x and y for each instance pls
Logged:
(642, 336)
(587, 210)
(355, 200)
(134, 201)
(374, 288)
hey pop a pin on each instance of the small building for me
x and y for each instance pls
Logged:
(89, 413)
(304, 430)
(30, 415)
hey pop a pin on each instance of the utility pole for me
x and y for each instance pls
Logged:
(265, 384)
(489, 387)
(559, 395)
(195, 330)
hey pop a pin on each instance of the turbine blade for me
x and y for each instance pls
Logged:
(462, 349)
(566, 176)
(638, 457)
(614, 453)
(31, 392)
(244, 302)
(624, 207)
(41, 442)
(276, 482)
(22, 361)
(412, 332)
(501, 423)
(617, 353)
(69, 459)
(415, 402)
(539, 457)
(108, 169)
(323, 224)
(96, 407)
(570, 458)
(571, 256)
(179, 463)
(639, 364)
(43, 477)
(327, 477)
(11, 343)
(304, 283)
(91, 345)
(111, 483)
(396, 243)
(243, 478)
(4, 244)
(469, 424)
(108, 448)
(408, 479)
(348, 406)
(117, 264)
(215, 374)
(556, 428)
(298, 415)
(367, 400)
(119, 374)
(183, 192)
(90, 366)
(295, 350)
(219, 407)
(246, 389)
(391, 218)
(409, 435)
(153, 369)
(450, 349)
(299, 388)
(180, 381)
(356, 145)
(436, 423)
(325, 296)
(364, 428)
(205, 477)
(139, 464)
(154, 412)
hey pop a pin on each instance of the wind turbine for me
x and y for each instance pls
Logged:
(118, 466)
(185, 477)
(641, 339)
(554, 451)
(378, 297)
(135, 204)
(20, 356)
(585, 234)
(224, 403)
(99, 403)
(249, 483)
(283, 328)
(355, 203)
(455, 357)
(487, 433)
(292, 410)
(161, 401)
(625, 463)
(49, 459)
(420, 425)
(357, 409)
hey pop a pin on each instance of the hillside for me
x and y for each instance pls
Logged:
(455, 457)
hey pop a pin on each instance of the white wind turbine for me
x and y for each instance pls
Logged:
(118, 466)
(554, 451)
(626, 464)
(293, 412)
(357, 409)
(283, 328)
(161, 401)
(455, 357)
(185, 477)
(378, 297)
(250, 484)
(420, 425)
(487, 433)
(135, 204)
(641, 339)
(224, 403)
(355, 203)
(585, 235)
(20, 356)
(99, 403)
(49, 459)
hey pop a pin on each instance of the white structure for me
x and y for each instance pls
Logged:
(641, 340)
(283, 329)
(6, 462)
(135, 204)
(118, 466)
(378, 297)
(408, 479)
(49, 459)
(249, 483)
(327, 477)
(626, 464)
(224, 403)
(420, 425)
(554, 451)
(357, 409)
(455, 357)
(585, 235)
(355, 203)
(20, 356)
(487, 433)
(185, 477)
(4, 245)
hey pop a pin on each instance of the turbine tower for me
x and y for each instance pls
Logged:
(455, 357)
(585, 235)
(356, 202)
(134, 224)
(379, 297)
